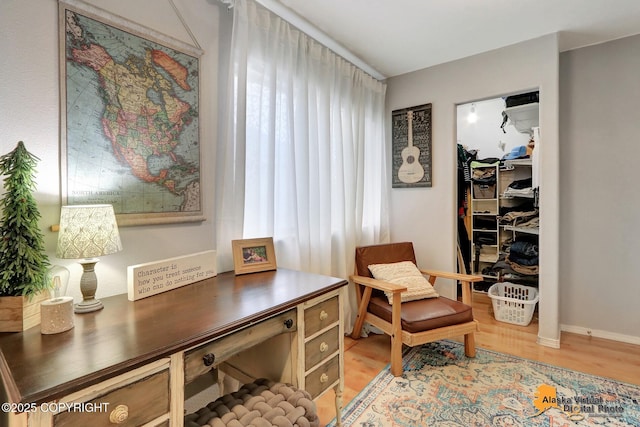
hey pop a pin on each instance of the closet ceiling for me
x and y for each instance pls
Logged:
(399, 36)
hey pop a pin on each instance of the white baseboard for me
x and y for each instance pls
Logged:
(548, 342)
(600, 334)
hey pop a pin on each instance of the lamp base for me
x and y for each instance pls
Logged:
(87, 306)
(88, 286)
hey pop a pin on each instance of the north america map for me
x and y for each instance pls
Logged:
(132, 125)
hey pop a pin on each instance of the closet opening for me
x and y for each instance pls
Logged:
(498, 146)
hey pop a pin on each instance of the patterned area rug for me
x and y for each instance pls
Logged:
(442, 387)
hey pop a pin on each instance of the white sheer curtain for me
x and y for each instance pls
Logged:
(314, 172)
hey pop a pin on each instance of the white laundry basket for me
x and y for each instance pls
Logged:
(513, 303)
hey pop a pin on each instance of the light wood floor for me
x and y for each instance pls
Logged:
(366, 357)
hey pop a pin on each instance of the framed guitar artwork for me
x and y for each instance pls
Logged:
(411, 147)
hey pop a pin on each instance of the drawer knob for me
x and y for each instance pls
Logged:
(208, 359)
(324, 347)
(324, 378)
(119, 414)
(323, 315)
(288, 323)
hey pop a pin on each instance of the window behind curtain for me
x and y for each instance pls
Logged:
(315, 163)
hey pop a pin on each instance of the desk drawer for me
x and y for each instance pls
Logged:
(134, 404)
(201, 360)
(321, 315)
(321, 347)
(323, 377)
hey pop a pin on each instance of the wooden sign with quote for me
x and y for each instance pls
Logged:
(411, 147)
(145, 280)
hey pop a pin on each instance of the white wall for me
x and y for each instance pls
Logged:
(427, 216)
(600, 203)
(29, 111)
(485, 134)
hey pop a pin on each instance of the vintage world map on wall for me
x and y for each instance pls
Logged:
(130, 135)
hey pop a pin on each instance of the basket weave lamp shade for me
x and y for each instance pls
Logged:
(87, 232)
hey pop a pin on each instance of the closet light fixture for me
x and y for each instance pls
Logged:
(473, 116)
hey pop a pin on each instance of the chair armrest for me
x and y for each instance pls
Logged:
(378, 284)
(455, 276)
(465, 279)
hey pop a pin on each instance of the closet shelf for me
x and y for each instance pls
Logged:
(489, 258)
(486, 215)
(528, 230)
(518, 196)
(510, 164)
(485, 230)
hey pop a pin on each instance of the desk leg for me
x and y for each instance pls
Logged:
(16, 419)
(338, 391)
(177, 389)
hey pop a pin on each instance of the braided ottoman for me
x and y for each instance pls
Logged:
(262, 403)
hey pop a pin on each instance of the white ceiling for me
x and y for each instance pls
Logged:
(398, 36)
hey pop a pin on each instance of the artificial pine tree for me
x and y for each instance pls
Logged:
(23, 260)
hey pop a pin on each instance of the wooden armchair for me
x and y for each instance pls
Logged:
(413, 322)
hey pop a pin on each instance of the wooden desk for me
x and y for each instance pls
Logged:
(128, 360)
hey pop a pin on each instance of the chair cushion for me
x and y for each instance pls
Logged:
(424, 314)
(404, 273)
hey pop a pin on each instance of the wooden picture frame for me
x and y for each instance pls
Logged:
(253, 255)
(130, 118)
(411, 147)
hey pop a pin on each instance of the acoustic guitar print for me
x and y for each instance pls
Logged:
(411, 171)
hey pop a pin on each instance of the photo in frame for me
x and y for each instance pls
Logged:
(411, 147)
(130, 128)
(253, 255)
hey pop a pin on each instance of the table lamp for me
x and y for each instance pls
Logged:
(87, 232)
